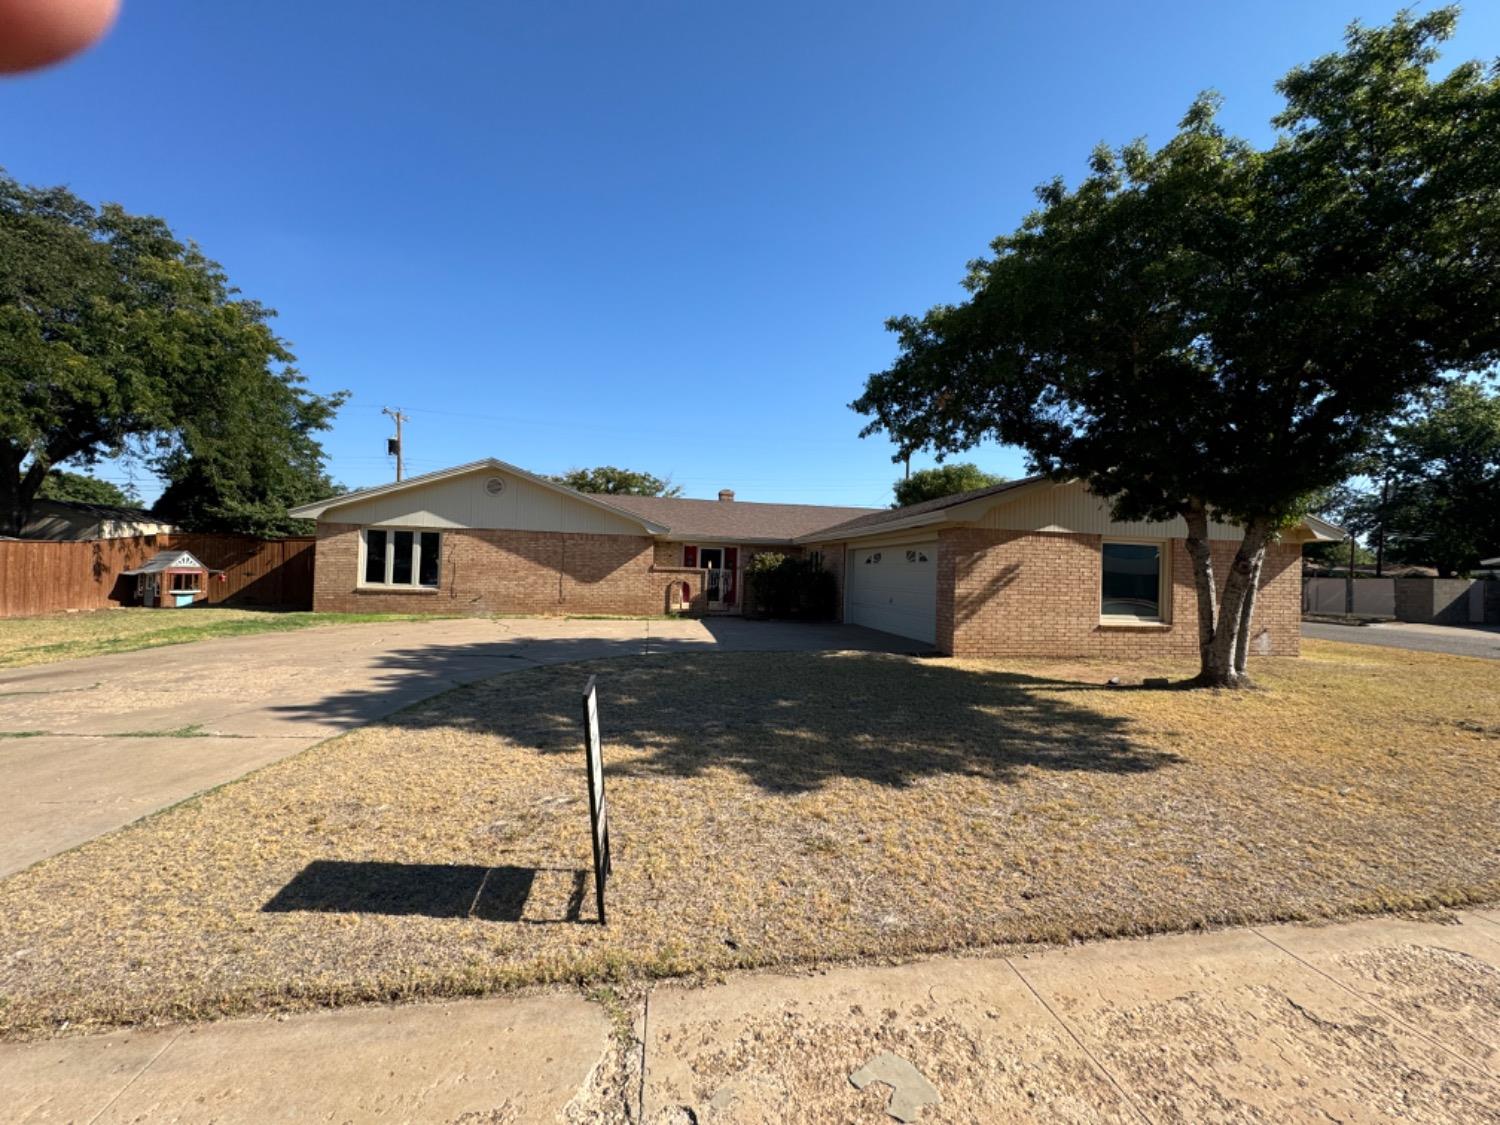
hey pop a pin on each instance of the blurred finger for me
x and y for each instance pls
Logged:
(36, 33)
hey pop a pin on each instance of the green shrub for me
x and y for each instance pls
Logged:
(780, 585)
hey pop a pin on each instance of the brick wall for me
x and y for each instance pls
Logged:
(833, 559)
(486, 571)
(1011, 593)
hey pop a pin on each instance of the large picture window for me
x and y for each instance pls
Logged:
(401, 558)
(1132, 583)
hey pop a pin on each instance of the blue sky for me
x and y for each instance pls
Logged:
(658, 235)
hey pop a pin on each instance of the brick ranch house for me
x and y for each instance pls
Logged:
(1027, 568)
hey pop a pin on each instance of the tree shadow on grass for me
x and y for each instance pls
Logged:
(403, 676)
(792, 723)
(434, 890)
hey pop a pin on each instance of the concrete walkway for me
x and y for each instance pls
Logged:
(1473, 640)
(124, 735)
(1379, 1020)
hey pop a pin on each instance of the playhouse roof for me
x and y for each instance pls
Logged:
(169, 560)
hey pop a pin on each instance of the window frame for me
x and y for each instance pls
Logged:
(189, 586)
(1163, 616)
(416, 585)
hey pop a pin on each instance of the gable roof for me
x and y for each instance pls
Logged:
(742, 521)
(970, 505)
(928, 511)
(316, 509)
(168, 560)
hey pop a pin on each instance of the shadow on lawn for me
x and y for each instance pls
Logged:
(402, 677)
(495, 894)
(793, 722)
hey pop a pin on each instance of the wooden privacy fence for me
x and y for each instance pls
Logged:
(48, 577)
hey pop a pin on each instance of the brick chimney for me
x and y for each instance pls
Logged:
(726, 495)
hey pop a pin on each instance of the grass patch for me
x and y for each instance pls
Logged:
(45, 640)
(193, 730)
(770, 810)
(22, 733)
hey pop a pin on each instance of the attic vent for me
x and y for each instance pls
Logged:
(495, 485)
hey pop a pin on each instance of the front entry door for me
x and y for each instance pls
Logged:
(711, 559)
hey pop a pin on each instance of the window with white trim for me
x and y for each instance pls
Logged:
(397, 557)
(1133, 582)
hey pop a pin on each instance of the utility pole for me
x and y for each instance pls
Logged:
(393, 445)
(1385, 498)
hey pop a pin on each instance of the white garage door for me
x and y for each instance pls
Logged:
(894, 589)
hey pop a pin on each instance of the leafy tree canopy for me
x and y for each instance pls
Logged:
(1212, 329)
(115, 335)
(1431, 494)
(943, 480)
(608, 479)
(80, 488)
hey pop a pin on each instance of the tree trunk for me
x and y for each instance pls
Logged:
(1202, 557)
(18, 489)
(1247, 612)
(1218, 659)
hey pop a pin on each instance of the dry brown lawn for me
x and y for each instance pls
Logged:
(770, 809)
(67, 636)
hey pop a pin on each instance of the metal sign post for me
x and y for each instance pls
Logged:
(598, 813)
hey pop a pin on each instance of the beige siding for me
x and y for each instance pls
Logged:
(463, 502)
(1070, 508)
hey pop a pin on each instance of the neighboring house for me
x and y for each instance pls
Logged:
(70, 520)
(1031, 567)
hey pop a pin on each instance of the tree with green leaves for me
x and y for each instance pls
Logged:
(242, 453)
(942, 480)
(1434, 496)
(80, 488)
(116, 336)
(607, 479)
(1212, 330)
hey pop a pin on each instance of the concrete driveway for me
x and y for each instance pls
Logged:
(1474, 640)
(90, 745)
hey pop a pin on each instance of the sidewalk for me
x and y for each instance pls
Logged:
(1375, 1020)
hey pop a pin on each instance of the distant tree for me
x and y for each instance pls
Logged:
(115, 335)
(1436, 499)
(1346, 505)
(243, 452)
(1328, 554)
(80, 488)
(944, 480)
(1212, 330)
(625, 482)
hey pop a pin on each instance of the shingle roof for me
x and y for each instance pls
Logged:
(734, 520)
(168, 560)
(875, 518)
(106, 511)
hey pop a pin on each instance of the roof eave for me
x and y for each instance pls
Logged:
(673, 536)
(315, 510)
(1323, 531)
(955, 513)
(834, 535)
